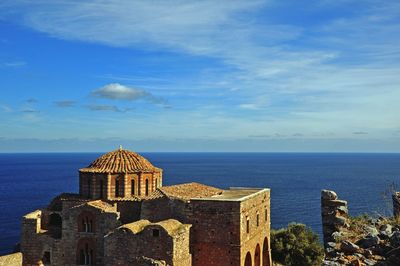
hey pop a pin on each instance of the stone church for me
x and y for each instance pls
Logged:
(123, 215)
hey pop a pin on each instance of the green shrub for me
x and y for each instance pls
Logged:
(296, 245)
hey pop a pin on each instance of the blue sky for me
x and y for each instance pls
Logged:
(221, 75)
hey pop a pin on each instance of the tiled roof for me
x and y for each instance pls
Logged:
(186, 191)
(120, 161)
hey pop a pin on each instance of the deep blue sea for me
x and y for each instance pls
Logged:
(30, 181)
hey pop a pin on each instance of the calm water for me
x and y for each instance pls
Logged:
(30, 181)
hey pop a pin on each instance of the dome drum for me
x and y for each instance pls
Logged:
(119, 175)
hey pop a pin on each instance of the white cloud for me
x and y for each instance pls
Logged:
(116, 91)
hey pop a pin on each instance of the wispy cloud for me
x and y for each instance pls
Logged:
(29, 110)
(360, 133)
(65, 103)
(13, 64)
(5, 108)
(31, 100)
(106, 108)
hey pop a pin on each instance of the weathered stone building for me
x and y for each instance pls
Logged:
(124, 216)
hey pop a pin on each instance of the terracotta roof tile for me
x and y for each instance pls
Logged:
(120, 161)
(186, 191)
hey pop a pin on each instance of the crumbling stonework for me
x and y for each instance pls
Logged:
(166, 241)
(334, 214)
(363, 240)
(124, 216)
(396, 204)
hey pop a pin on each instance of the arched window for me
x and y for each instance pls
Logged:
(86, 222)
(133, 187)
(101, 188)
(139, 184)
(116, 188)
(89, 189)
(247, 261)
(55, 225)
(257, 256)
(147, 187)
(85, 253)
(266, 258)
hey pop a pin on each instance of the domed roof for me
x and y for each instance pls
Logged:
(120, 161)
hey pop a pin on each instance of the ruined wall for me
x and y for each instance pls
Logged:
(124, 246)
(129, 211)
(396, 204)
(14, 259)
(334, 215)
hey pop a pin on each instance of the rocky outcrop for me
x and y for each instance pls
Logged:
(362, 240)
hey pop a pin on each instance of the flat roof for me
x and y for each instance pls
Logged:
(235, 194)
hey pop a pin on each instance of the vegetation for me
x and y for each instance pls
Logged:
(296, 245)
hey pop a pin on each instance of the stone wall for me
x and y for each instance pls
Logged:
(14, 259)
(166, 241)
(334, 214)
(224, 231)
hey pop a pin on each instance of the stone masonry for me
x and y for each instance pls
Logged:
(334, 214)
(124, 215)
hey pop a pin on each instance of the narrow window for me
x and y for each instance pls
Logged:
(147, 187)
(101, 188)
(133, 187)
(139, 184)
(258, 219)
(266, 214)
(88, 187)
(156, 183)
(116, 188)
(156, 232)
(247, 225)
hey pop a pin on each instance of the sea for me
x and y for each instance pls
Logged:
(29, 181)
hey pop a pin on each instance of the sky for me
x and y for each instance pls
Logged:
(226, 75)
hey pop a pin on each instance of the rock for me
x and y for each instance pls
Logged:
(356, 262)
(349, 247)
(343, 209)
(367, 253)
(369, 262)
(335, 203)
(330, 263)
(331, 244)
(328, 195)
(371, 230)
(337, 235)
(386, 230)
(395, 239)
(368, 241)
